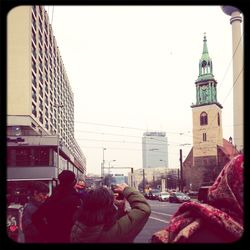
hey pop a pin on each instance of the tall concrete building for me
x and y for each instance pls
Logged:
(154, 150)
(210, 152)
(40, 101)
(238, 71)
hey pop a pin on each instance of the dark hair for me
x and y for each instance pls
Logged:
(67, 177)
(40, 187)
(98, 208)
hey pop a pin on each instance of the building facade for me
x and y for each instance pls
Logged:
(210, 152)
(238, 72)
(40, 101)
(152, 178)
(154, 150)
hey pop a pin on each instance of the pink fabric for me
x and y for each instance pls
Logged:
(78, 186)
(223, 214)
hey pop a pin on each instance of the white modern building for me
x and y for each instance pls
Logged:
(154, 150)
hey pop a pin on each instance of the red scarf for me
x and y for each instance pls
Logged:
(223, 213)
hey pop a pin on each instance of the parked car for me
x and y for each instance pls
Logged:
(178, 197)
(164, 196)
(153, 194)
(193, 194)
(14, 222)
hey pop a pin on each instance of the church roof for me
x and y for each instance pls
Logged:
(228, 149)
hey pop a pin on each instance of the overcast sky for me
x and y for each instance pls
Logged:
(133, 69)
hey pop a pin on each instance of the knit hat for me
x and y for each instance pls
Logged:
(67, 177)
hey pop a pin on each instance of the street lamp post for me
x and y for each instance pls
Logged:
(58, 106)
(109, 165)
(143, 180)
(181, 166)
(103, 162)
(181, 182)
(165, 165)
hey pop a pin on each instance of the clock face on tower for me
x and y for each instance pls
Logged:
(204, 93)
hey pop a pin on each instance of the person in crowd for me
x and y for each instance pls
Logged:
(39, 193)
(99, 220)
(80, 186)
(218, 221)
(54, 218)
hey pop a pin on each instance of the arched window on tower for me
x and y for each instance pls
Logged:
(218, 117)
(203, 118)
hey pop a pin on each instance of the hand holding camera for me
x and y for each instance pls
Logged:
(118, 189)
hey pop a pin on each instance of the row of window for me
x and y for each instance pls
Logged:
(48, 74)
(36, 156)
(30, 156)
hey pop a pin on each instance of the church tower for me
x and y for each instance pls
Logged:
(207, 122)
(210, 151)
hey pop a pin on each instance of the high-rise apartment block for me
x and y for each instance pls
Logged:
(40, 101)
(155, 150)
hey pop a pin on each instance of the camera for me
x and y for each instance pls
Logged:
(120, 196)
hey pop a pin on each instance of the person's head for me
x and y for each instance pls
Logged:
(80, 185)
(40, 191)
(67, 178)
(98, 208)
(81, 182)
(227, 191)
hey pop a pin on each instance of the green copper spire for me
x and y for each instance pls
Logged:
(205, 55)
(206, 92)
(205, 64)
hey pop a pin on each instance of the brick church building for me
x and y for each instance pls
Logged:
(210, 151)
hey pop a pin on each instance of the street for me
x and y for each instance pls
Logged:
(159, 219)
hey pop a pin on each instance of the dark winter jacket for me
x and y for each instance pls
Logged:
(54, 218)
(124, 230)
(31, 233)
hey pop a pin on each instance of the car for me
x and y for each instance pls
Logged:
(193, 194)
(178, 197)
(163, 196)
(153, 194)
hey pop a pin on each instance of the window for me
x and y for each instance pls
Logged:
(34, 21)
(46, 99)
(33, 49)
(218, 117)
(46, 124)
(204, 136)
(203, 118)
(46, 112)
(33, 77)
(34, 110)
(40, 34)
(40, 77)
(22, 157)
(34, 9)
(34, 95)
(33, 65)
(40, 91)
(40, 104)
(46, 88)
(41, 117)
(40, 53)
(33, 37)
